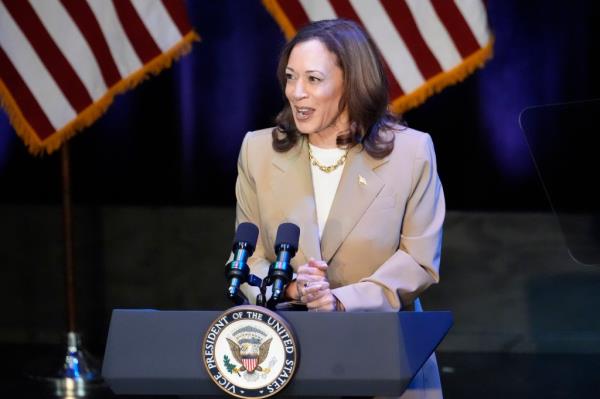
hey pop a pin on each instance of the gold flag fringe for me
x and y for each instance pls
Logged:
(95, 110)
(427, 89)
(284, 23)
(444, 79)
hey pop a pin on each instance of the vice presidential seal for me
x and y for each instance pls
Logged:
(250, 352)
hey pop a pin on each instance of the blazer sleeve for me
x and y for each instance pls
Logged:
(415, 264)
(247, 210)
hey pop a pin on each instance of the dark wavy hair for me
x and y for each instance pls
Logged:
(365, 91)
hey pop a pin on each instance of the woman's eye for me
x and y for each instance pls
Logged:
(288, 76)
(314, 79)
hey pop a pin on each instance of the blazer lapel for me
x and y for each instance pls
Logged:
(293, 191)
(359, 185)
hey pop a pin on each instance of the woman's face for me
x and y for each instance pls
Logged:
(314, 89)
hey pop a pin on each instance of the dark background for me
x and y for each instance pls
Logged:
(153, 190)
(174, 139)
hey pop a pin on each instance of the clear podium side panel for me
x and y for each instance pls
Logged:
(564, 140)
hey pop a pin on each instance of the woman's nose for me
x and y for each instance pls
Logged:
(299, 92)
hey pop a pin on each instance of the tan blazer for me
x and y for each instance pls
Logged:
(382, 238)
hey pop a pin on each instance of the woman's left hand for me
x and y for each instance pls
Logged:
(319, 298)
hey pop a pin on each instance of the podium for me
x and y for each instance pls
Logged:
(153, 352)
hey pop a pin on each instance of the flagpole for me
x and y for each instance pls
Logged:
(68, 238)
(77, 376)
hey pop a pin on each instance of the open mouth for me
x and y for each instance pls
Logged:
(303, 113)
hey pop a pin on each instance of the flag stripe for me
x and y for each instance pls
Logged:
(33, 72)
(344, 9)
(176, 10)
(317, 10)
(120, 47)
(456, 25)
(72, 44)
(475, 14)
(158, 22)
(294, 11)
(53, 59)
(25, 100)
(84, 18)
(391, 44)
(404, 22)
(434, 33)
(143, 43)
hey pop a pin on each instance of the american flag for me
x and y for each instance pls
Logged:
(63, 61)
(426, 45)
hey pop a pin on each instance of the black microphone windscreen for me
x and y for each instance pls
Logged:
(287, 233)
(247, 232)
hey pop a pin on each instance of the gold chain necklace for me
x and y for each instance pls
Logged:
(327, 168)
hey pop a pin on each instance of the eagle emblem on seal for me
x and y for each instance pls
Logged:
(250, 348)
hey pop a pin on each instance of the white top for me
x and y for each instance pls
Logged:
(325, 184)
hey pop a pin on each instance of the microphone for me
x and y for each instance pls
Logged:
(280, 272)
(236, 271)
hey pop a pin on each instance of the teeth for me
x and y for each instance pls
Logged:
(303, 110)
(303, 113)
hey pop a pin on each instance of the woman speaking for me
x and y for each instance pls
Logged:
(362, 187)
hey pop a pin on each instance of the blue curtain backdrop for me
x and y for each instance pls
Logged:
(174, 139)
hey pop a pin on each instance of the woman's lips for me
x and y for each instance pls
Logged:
(303, 113)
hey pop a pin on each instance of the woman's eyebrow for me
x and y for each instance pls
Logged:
(309, 71)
